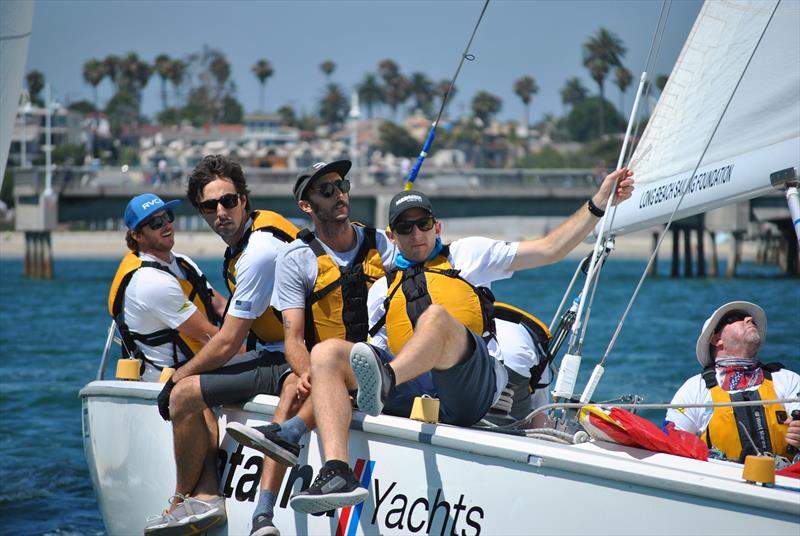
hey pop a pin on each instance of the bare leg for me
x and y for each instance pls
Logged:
(209, 479)
(289, 405)
(332, 379)
(439, 342)
(191, 436)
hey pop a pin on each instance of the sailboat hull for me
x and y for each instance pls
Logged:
(431, 479)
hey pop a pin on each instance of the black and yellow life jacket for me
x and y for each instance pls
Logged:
(434, 281)
(268, 327)
(194, 286)
(337, 307)
(539, 333)
(764, 424)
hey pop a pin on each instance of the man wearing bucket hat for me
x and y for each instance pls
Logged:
(321, 285)
(727, 350)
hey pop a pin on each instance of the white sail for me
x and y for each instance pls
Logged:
(16, 20)
(760, 131)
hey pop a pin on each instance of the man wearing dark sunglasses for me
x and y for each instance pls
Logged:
(165, 311)
(727, 348)
(221, 373)
(431, 331)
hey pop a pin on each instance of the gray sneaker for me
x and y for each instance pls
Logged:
(263, 526)
(375, 378)
(266, 440)
(191, 516)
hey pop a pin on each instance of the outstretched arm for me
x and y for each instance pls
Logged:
(565, 237)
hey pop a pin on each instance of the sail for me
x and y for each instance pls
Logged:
(759, 133)
(16, 20)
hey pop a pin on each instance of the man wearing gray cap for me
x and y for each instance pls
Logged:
(727, 348)
(431, 328)
(321, 285)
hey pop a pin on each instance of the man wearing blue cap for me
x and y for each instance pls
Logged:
(165, 311)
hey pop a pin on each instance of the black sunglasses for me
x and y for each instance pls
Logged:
(210, 206)
(327, 189)
(730, 318)
(405, 227)
(157, 222)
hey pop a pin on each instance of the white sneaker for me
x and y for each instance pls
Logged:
(190, 516)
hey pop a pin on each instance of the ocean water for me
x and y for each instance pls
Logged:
(52, 335)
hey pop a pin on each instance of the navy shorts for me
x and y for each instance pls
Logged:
(262, 373)
(465, 391)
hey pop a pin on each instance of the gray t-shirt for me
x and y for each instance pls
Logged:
(296, 271)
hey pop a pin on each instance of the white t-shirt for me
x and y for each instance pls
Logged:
(255, 279)
(155, 301)
(296, 274)
(694, 391)
(520, 355)
(480, 261)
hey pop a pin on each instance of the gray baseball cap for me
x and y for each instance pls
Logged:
(318, 170)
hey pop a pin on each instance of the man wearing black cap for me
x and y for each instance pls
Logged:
(431, 332)
(727, 348)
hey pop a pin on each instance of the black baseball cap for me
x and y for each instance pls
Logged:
(318, 170)
(405, 200)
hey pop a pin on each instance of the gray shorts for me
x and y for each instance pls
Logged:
(465, 391)
(262, 373)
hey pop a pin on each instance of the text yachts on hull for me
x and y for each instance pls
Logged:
(431, 479)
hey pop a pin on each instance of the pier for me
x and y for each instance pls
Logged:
(86, 200)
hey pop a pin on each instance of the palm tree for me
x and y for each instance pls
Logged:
(163, 64)
(177, 72)
(93, 73)
(573, 92)
(333, 105)
(661, 81)
(525, 88)
(623, 79)
(262, 69)
(370, 92)
(35, 80)
(602, 51)
(485, 105)
(388, 69)
(327, 67)
(112, 64)
(422, 90)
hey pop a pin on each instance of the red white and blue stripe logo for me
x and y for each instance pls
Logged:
(348, 519)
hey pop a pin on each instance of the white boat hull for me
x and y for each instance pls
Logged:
(432, 479)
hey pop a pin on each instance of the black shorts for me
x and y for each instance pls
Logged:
(465, 391)
(262, 373)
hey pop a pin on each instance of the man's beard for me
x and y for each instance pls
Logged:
(327, 217)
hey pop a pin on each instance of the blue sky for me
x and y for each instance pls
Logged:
(541, 39)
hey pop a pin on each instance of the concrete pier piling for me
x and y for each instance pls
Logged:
(38, 255)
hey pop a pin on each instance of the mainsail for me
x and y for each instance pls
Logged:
(16, 20)
(759, 133)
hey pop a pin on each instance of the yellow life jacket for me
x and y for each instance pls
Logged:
(539, 332)
(764, 423)
(434, 281)
(194, 286)
(268, 327)
(327, 316)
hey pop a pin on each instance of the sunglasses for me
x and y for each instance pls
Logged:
(327, 189)
(157, 222)
(405, 227)
(731, 318)
(210, 206)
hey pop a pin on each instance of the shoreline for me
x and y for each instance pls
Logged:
(205, 244)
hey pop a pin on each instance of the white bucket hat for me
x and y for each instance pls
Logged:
(703, 345)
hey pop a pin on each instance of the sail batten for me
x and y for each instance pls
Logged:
(763, 114)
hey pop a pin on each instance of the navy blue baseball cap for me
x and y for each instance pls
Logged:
(143, 206)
